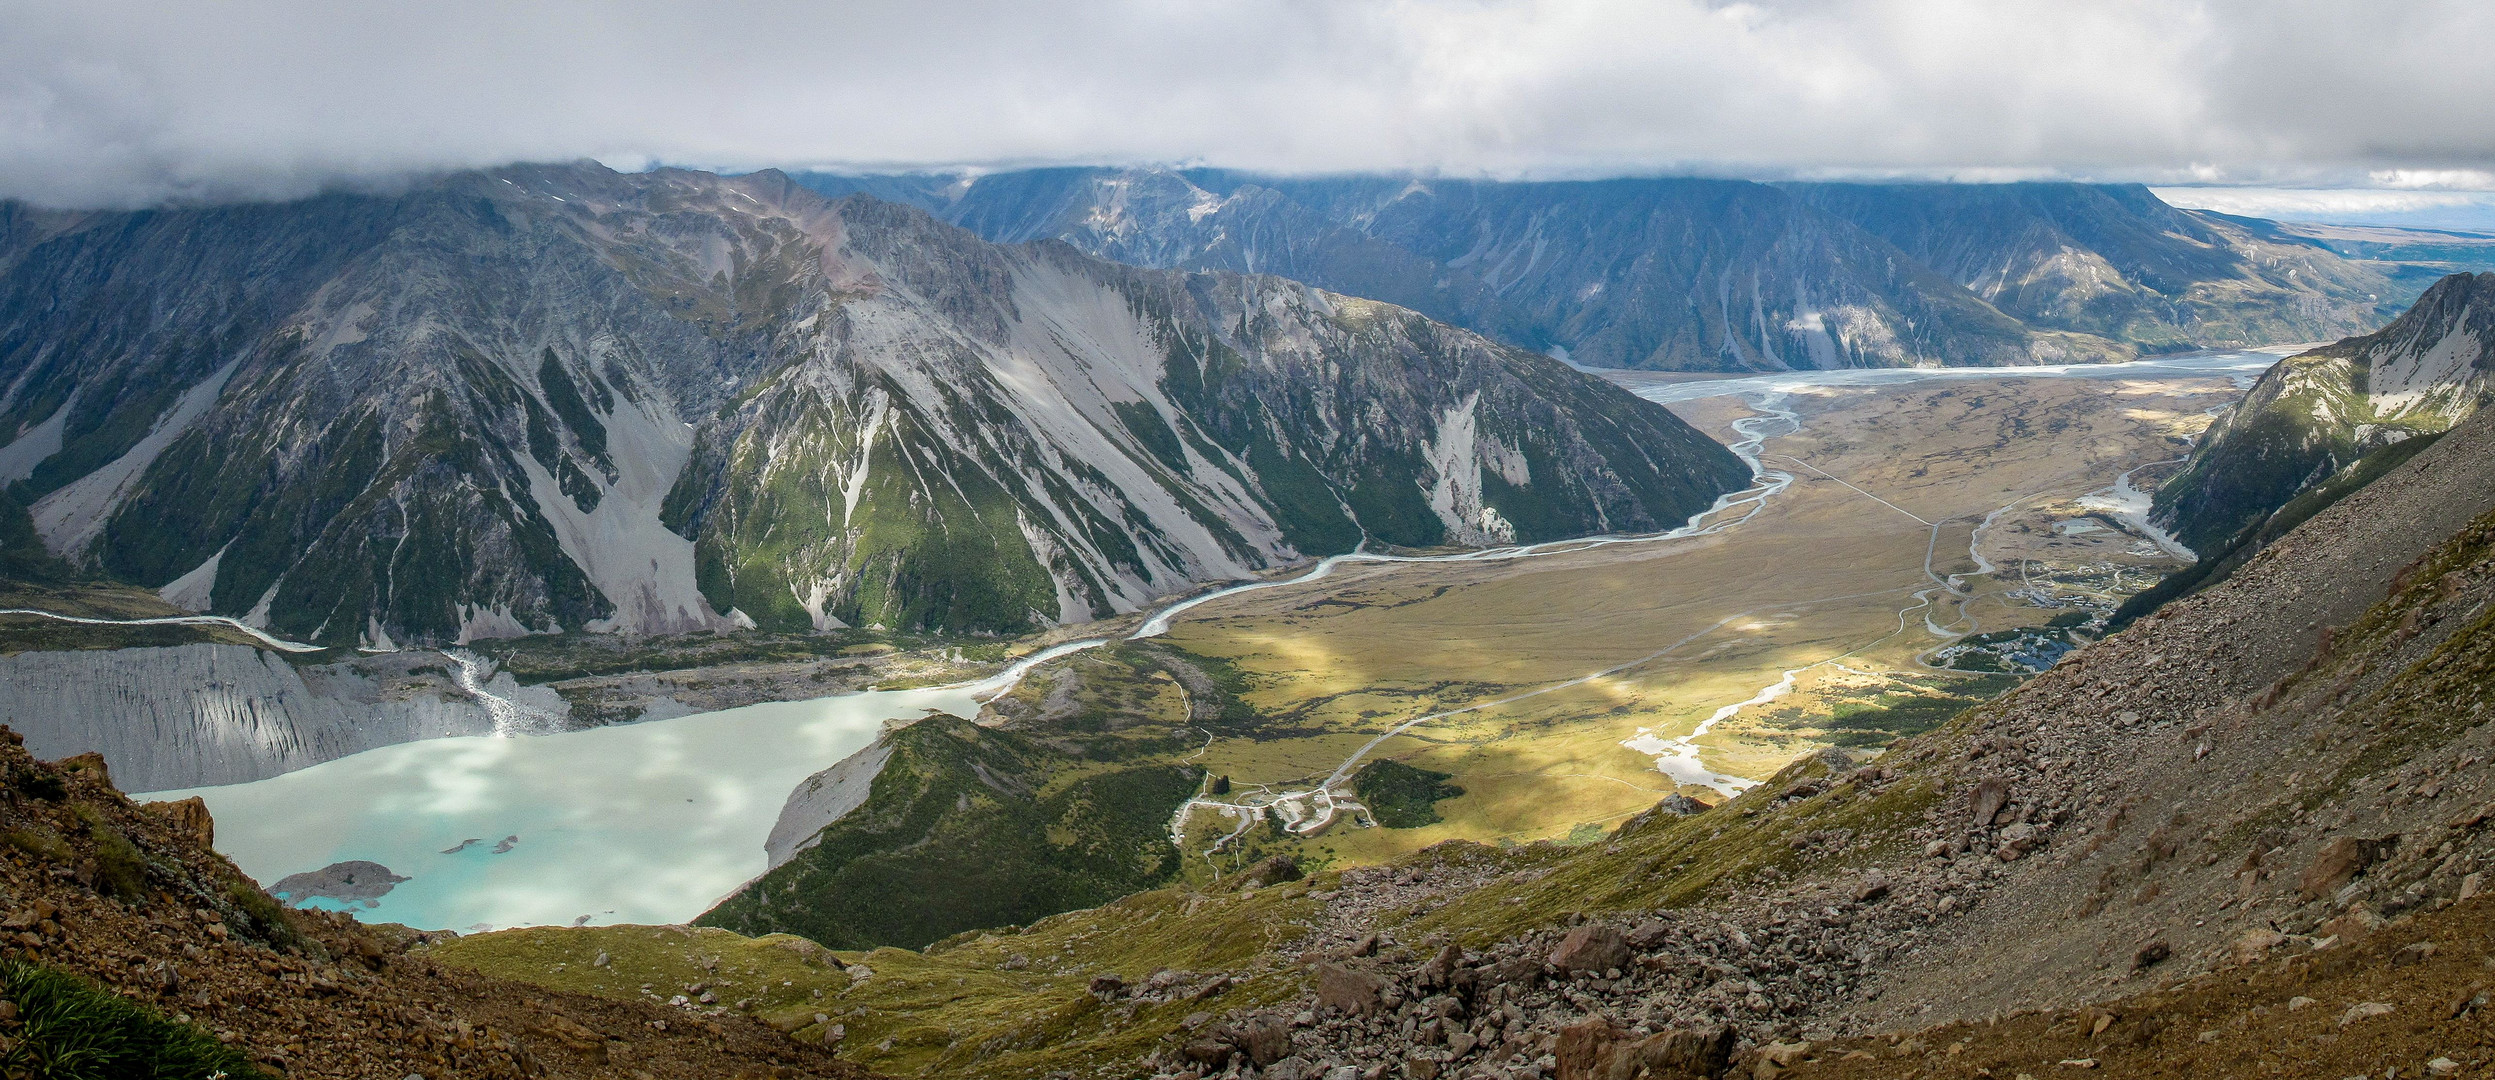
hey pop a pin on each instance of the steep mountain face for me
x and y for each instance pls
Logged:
(2114, 261)
(562, 398)
(2315, 413)
(996, 437)
(1707, 274)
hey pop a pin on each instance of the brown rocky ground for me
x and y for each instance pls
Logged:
(2409, 1001)
(129, 896)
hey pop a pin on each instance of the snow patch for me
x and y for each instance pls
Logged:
(816, 595)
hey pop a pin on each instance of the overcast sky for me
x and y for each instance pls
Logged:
(111, 102)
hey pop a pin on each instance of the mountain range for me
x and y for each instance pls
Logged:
(561, 398)
(1699, 274)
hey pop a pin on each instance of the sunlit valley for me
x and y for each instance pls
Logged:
(1510, 586)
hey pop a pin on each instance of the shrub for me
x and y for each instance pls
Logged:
(39, 842)
(120, 871)
(268, 917)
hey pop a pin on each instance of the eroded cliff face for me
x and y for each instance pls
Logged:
(201, 715)
(560, 398)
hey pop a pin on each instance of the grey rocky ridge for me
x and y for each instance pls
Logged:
(560, 398)
(1697, 274)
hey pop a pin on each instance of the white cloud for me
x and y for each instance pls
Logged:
(2413, 207)
(2463, 179)
(126, 102)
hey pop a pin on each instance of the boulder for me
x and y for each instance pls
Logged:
(1674, 1054)
(1592, 947)
(2338, 863)
(1292, 1068)
(1107, 987)
(190, 817)
(2151, 955)
(1779, 1058)
(2353, 926)
(1350, 990)
(1583, 1049)
(1521, 971)
(1596, 1049)
(1871, 887)
(1273, 871)
(1439, 973)
(1989, 796)
(89, 764)
(2255, 945)
(1648, 934)
(1264, 1038)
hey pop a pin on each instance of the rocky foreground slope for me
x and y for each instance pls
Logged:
(561, 398)
(2264, 792)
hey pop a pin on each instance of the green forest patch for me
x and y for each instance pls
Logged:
(1402, 796)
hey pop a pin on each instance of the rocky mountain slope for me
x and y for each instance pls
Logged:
(1706, 274)
(2115, 261)
(2119, 841)
(133, 950)
(2314, 414)
(556, 397)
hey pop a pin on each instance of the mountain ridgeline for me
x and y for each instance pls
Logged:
(1713, 274)
(561, 398)
(2315, 414)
